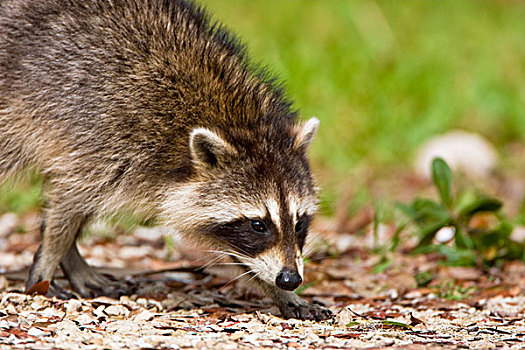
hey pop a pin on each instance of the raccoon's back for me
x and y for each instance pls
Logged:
(95, 65)
(106, 80)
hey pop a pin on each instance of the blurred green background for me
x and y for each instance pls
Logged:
(382, 76)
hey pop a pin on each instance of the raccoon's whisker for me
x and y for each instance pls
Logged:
(266, 292)
(227, 252)
(241, 265)
(240, 276)
(233, 254)
(231, 263)
(215, 252)
(241, 253)
(209, 263)
(258, 285)
(212, 262)
(214, 257)
(206, 256)
(315, 244)
(253, 277)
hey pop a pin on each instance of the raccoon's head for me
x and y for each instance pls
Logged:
(253, 197)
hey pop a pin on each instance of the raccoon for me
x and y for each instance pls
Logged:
(152, 106)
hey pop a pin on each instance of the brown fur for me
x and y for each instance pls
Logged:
(147, 104)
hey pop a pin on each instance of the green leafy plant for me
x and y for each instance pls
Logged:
(423, 279)
(452, 291)
(488, 244)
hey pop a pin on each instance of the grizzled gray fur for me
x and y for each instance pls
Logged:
(150, 106)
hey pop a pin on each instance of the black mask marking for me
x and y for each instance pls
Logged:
(240, 235)
(301, 229)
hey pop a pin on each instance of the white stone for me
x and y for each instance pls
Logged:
(8, 224)
(85, 319)
(151, 234)
(50, 312)
(73, 305)
(344, 317)
(518, 234)
(11, 310)
(467, 152)
(68, 328)
(140, 252)
(344, 241)
(117, 310)
(99, 311)
(144, 315)
(445, 234)
(15, 298)
(5, 324)
(35, 332)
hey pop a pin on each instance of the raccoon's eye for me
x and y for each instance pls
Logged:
(299, 226)
(258, 226)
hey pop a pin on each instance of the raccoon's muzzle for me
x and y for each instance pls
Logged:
(288, 279)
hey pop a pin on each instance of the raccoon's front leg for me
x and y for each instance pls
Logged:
(292, 306)
(86, 281)
(58, 235)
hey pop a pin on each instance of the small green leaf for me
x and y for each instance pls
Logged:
(521, 215)
(353, 323)
(486, 204)
(462, 240)
(441, 175)
(408, 210)
(465, 199)
(429, 211)
(304, 287)
(452, 291)
(457, 257)
(382, 265)
(396, 238)
(396, 324)
(426, 249)
(423, 278)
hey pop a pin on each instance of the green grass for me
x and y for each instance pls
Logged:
(21, 195)
(383, 76)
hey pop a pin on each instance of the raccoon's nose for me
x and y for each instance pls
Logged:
(288, 279)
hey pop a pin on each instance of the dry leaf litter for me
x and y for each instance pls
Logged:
(179, 305)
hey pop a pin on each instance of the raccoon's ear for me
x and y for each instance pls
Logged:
(208, 149)
(305, 133)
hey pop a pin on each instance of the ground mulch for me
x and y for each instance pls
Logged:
(179, 304)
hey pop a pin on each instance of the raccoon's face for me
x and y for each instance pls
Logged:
(255, 206)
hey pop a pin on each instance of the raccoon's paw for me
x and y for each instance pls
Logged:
(50, 290)
(59, 292)
(292, 306)
(305, 311)
(96, 284)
